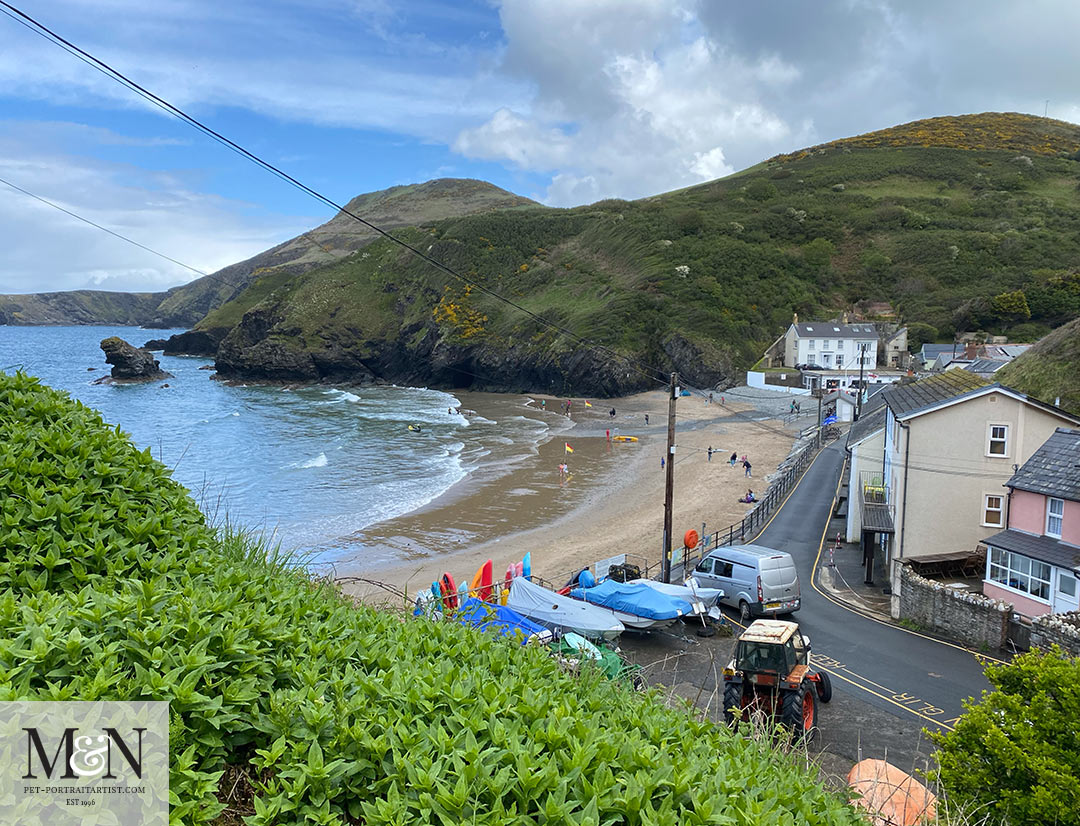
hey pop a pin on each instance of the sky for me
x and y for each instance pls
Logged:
(564, 101)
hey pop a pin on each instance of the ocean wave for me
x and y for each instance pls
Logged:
(318, 461)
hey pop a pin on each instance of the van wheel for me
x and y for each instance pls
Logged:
(744, 612)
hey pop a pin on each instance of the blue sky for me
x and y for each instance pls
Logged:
(565, 101)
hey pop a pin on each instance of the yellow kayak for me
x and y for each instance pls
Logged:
(624, 438)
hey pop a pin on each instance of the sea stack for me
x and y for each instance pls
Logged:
(130, 363)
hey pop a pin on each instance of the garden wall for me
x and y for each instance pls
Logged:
(1060, 629)
(972, 619)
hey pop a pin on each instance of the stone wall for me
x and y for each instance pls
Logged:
(1060, 629)
(973, 619)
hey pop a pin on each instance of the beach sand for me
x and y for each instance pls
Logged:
(610, 502)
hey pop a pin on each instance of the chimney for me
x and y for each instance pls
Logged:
(971, 350)
(795, 318)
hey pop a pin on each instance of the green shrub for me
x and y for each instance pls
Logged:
(113, 587)
(1016, 753)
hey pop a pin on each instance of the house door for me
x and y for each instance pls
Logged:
(1065, 594)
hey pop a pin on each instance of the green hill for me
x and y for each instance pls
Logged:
(1050, 370)
(290, 705)
(962, 224)
(399, 206)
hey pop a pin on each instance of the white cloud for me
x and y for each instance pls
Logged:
(48, 250)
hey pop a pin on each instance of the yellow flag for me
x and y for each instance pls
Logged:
(567, 448)
(588, 404)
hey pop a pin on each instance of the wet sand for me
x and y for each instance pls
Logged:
(610, 502)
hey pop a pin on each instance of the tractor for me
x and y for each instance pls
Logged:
(771, 673)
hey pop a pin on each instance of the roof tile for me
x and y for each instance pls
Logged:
(1053, 469)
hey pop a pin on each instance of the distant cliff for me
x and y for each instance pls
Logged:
(79, 307)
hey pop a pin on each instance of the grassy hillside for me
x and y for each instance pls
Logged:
(957, 231)
(290, 705)
(1050, 370)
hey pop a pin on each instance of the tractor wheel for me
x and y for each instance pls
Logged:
(824, 687)
(733, 698)
(744, 612)
(799, 712)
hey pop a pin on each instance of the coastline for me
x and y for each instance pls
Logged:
(611, 502)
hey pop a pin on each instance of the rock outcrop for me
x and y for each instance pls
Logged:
(130, 363)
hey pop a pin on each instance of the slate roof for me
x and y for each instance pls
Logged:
(930, 352)
(907, 398)
(1042, 548)
(1053, 469)
(829, 329)
(871, 420)
(985, 367)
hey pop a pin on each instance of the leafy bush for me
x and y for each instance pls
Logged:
(113, 587)
(1017, 752)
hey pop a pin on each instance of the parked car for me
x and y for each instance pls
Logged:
(759, 581)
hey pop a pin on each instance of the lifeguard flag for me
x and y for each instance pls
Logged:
(567, 448)
(588, 404)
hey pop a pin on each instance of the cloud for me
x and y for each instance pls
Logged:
(48, 250)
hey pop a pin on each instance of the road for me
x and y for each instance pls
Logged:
(900, 671)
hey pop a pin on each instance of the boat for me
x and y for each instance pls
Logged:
(624, 438)
(504, 621)
(690, 591)
(561, 613)
(635, 605)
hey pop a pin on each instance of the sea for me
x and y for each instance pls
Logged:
(307, 466)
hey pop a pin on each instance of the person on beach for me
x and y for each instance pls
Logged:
(733, 458)
(749, 496)
(792, 408)
(710, 397)
(661, 463)
(646, 418)
(710, 453)
(612, 413)
(746, 467)
(543, 404)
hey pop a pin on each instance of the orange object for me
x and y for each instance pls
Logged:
(690, 539)
(480, 586)
(449, 592)
(890, 795)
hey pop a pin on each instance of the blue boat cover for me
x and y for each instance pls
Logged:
(498, 618)
(634, 598)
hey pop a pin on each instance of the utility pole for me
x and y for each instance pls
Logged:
(858, 404)
(669, 487)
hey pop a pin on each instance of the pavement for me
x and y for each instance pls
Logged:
(889, 682)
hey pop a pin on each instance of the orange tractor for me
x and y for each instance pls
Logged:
(771, 674)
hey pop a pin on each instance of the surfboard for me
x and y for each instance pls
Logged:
(482, 580)
(526, 565)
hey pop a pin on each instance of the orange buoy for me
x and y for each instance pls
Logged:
(890, 795)
(690, 539)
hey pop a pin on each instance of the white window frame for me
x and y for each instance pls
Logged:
(839, 344)
(1000, 510)
(1063, 577)
(991, 439)
(1060, 517)
(811, 344)
(1014, 572)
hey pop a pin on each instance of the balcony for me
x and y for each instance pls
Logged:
(877, 510)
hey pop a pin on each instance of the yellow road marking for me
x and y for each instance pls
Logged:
(813, 582)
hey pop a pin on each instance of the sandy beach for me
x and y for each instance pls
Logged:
(610, 501)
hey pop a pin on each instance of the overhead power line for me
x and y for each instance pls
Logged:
(104, 229)
(42, 30)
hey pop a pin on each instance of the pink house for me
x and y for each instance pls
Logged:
(1035, 562)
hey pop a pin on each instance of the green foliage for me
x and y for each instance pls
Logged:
(113, 587)
(1050, 370)
(819, 252)
(1012, 306)
(920, 334)
(761, 190)
(1017, 752)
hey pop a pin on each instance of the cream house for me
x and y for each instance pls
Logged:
(948, 443)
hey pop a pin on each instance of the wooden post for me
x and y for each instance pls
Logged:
(669, 485)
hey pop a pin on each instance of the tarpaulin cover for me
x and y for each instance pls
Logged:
(556, 611)
(634, 598)
(707, 596)
(498, 618)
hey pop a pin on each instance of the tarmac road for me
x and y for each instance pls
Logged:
(905, 673)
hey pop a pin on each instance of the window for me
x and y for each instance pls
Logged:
(993, 507)
(839, 344)
(1067, 584)
(1055, 511)
(1021, 573)
(999, 440)
(825, 344)
(724, 568)
(812, 343)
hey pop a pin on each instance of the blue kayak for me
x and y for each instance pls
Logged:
(635, 605)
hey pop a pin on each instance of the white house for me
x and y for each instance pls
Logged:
(831, 345)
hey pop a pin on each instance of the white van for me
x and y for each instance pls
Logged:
(759, 581)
